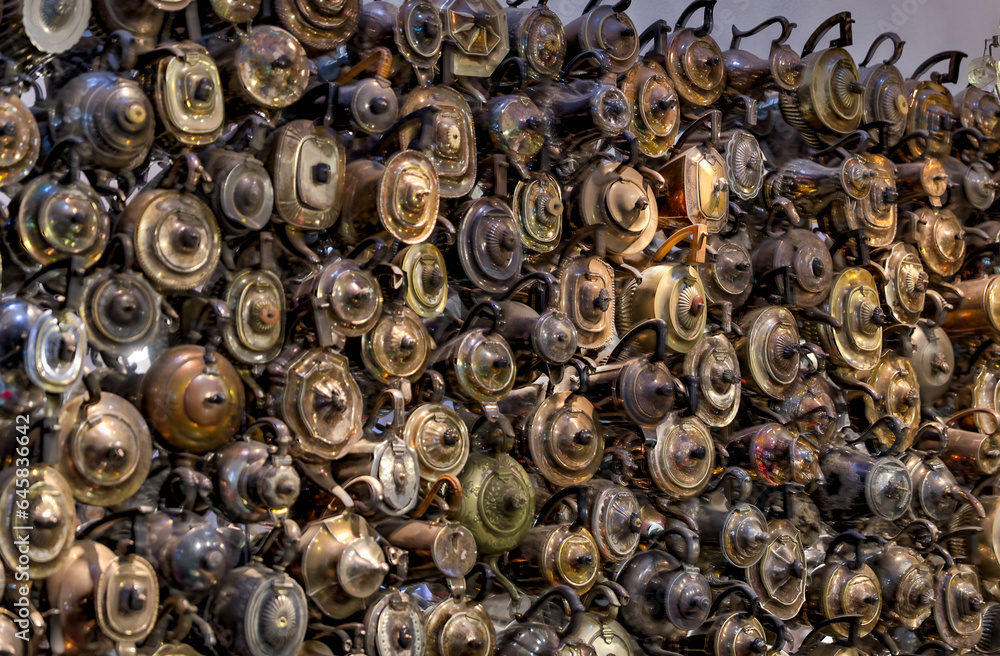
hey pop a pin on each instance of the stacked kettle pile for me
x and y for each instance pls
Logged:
(446, 328)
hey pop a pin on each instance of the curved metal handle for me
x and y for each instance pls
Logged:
(859, 541)
(575, 66)
(787, 209)
(542, 279)
(953, 57)
(846, 38)
(713, 117)
(658, 326)
(743, 590)
(897, 48)
(425, 137)
(377, 257)
(817, 630)
(709, 17)
(657, 33)
(961, 414)
(497, 79)
(786, 31)
(398, 401)
(454, 502)
(495, 312)
(575, 606)
(582, 507)
(692, 549)
(780, 631)
(596, 231)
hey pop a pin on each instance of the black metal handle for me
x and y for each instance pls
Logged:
(543, 279)
(741, 589)
(657, 33)
(846, 38)
(897, 48)
(571, 598)
(576, 66)
(582, 507)
(709, 17)
(495, 312)
(714, 120)
(786, 31)
(953, 57)
(658, 326)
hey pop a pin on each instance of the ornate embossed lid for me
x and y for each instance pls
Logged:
(682, 458)
(321, 25)
(566, 439)
(779, 577)
(188, 96)
(489, 244)
(271, 67)
(854, 302)
(614, 519)
(398, 344)
(177, 241)
(408, 196)
(322, 403)
(394, 626)
(537, 35)
(744, 164)
(479, 31)
(877, 210)
(453, 150)
(256, 331)
(907, 283)
(426, 279)
(55, 221)
(537, 204)
(714, 363)
(105, 451)
(20, 140)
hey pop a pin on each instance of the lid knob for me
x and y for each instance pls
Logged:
(603, 300)
(450, 438)
(584, 437)
(123, 307)
(379, 105)
(8, 129)
(330, 397)
(321, 173)
(133, 597)
(188, 238)
(204, 89)
(758, 646)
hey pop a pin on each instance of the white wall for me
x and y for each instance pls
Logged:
(927, 26)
